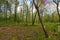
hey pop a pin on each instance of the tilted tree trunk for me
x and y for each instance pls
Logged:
(33, 21)
(37, 8)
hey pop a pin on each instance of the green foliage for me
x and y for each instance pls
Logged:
(51, 18)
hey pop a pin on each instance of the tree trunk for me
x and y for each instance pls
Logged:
(33, 21)
(58, 12)
(15, 10)
(40, 20)
(32, 15)
(52, 17)
(5, 11)
(10, 13)
(6, 14)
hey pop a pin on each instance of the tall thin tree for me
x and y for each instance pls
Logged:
(16, 4)
(43, 27)
(57, 3)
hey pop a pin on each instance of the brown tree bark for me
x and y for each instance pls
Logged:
(40, 20)
(33, 21)
(32, 15)
(15, 10)
(58, 11)
(57, 3)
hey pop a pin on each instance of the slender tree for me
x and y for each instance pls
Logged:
(26, 11)
(32, 14)
(16, 4)
(57, 3)
(37, 8)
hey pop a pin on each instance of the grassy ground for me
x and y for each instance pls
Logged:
(11, 32)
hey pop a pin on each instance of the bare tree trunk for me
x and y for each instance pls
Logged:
(33, 21)
(15, 14)
(15, 10)
(6, 11)
(6, 14)
(26, 16)
(10, 13)
(57, 9)
(32, 15)
(58, 12)
(40, 20)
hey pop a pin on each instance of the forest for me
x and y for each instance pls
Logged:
(29, 19)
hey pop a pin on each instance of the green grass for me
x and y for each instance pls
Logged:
(12, 23)
(29, 31)
(25, 33)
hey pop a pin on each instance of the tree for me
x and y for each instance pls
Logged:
(5, 3)
(57, 3)
(7, 7)
(0, 6)
(16, 4)
(40, 20)
(32, 14)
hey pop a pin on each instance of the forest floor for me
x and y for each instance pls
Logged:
(26, 33)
